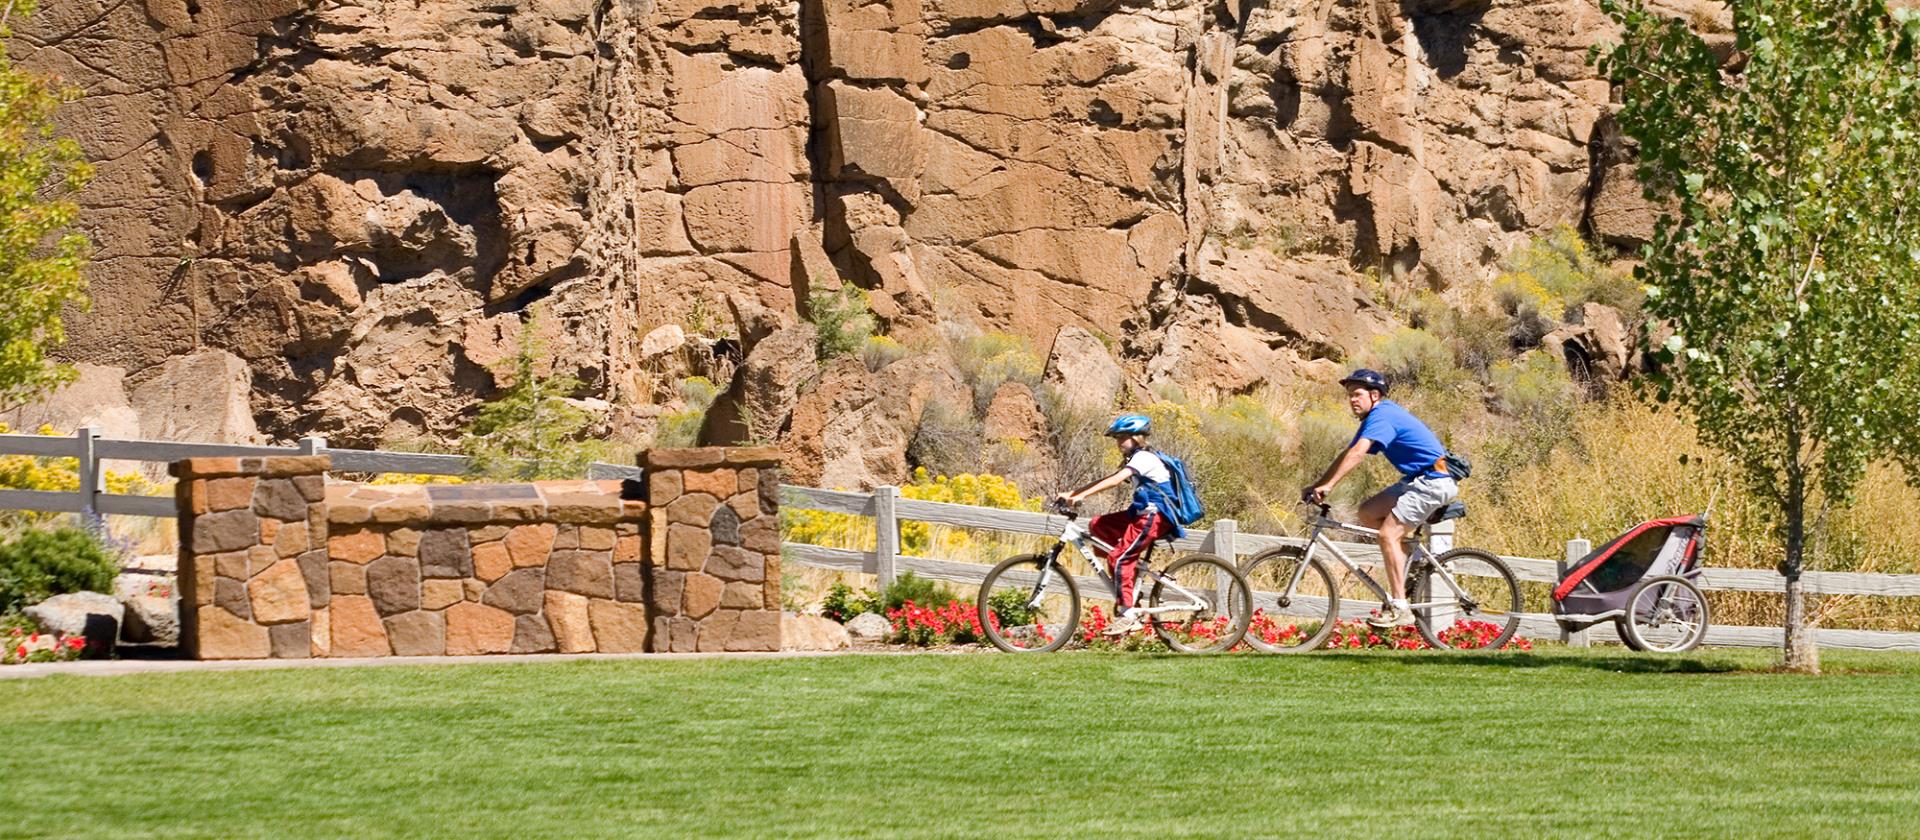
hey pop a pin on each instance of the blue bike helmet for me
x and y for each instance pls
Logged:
(1130, 424)
(1367, 378)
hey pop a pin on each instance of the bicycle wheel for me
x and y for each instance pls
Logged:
(1666, 614)
(1210, 615)
(1296, 620)
(1483, 612)
(1023, 610)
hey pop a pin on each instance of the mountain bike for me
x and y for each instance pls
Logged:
(1031, 603)
(1297, 598)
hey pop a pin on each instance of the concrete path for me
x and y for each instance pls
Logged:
(117, 667)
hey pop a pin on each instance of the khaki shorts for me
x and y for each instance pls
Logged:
(1416, 499)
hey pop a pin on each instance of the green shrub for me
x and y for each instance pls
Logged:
(842, 603)
(911, 587)
(948, 440)
(991, 359)
(40, 563)
(880, 351)
(682, 428)
(531, 432)
(1416, 358)
(1011, 607)
(841, 318)
(1552, 276)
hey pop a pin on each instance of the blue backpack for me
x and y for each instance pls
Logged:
(1181, 501)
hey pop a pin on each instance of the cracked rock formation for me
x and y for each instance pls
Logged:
(349, 206)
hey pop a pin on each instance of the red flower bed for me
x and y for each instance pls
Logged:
(22, 646)
(1355, 634)
(957, 622)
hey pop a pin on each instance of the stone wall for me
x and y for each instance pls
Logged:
(278, 562)
(716, 575)
(253, 556)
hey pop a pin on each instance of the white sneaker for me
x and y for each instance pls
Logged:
(1390, 617)
(1123, 624)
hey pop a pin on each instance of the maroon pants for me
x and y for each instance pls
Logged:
(1130, 536)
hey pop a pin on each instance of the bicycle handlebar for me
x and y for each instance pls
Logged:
(1064, 509)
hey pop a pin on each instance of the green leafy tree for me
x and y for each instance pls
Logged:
(531, 432)
(1788, 262)
(40, 255)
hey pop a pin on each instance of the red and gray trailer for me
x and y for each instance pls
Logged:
(1645, 581)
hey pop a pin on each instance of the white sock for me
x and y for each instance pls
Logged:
(1397, 603)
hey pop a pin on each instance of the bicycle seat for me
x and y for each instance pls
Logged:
(1453, 510)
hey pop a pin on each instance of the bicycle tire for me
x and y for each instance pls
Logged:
(1501, 589)
(1217, 636)
(1276, 566)
(1008, 638)
(1637, 638)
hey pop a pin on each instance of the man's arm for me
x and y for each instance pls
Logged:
(1118, 478)
(1342, 465)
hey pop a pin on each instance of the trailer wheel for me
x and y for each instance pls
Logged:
(1665, 614)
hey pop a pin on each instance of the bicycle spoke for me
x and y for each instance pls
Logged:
(1295, 602)
(1200, 604)
(1028, 605)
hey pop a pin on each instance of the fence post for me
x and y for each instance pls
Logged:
(1576, 549)
(89, 474)
(1226, 547)
(886, 534)
(312, 445)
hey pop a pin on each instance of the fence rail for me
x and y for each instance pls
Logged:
(1226, 540)
(89, 449)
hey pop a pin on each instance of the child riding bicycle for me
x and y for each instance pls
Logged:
(1133, 530)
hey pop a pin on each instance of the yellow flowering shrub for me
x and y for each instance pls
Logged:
(415, 478)
(845, 530)
(62, 475)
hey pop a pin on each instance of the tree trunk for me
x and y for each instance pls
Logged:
(1799, 652)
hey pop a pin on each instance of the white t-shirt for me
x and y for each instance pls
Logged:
(1148, 466)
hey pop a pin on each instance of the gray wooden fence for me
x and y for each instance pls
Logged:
(888, 509)
(1225, 539)
(91, 500)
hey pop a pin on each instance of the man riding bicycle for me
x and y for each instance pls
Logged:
(1424, 487)
(1133, 530)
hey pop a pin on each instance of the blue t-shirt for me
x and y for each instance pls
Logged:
(1409, 445)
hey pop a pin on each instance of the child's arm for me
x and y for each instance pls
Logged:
(1118, 478)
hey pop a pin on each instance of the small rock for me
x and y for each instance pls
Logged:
(811, 632)
(92, 614)
(869, 627)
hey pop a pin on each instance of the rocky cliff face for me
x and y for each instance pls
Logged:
(360, 199)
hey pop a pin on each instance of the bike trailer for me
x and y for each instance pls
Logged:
(1598, 586)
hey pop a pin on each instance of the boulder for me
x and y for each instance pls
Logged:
(152, 602)
(869, 627)
(1598, 346)
(756, 405)
(843, 435)
(1082, 372)
(201, 397)
(91, 614)
(813, 633)
(97, 397)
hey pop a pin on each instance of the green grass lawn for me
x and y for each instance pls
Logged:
(1071, 745)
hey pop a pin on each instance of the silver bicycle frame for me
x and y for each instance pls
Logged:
(1415, 559)
(1076, 534)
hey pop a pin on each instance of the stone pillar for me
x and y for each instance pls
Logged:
(713, 565)
(253, 556)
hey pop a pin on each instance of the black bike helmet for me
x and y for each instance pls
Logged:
(1368, 378)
